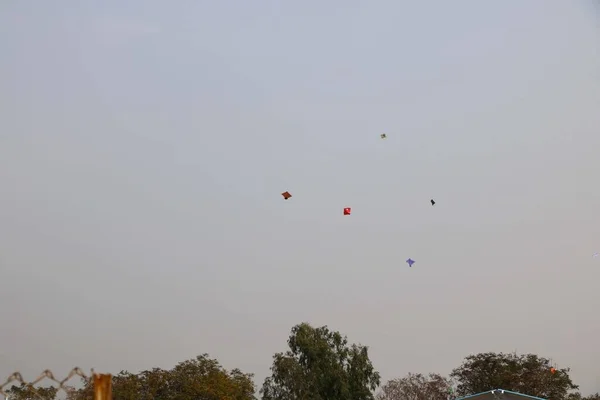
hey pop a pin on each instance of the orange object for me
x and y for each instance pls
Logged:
(553, 370)
(103, 387)
(286, 195)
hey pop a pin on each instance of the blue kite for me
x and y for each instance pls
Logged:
(410, 262)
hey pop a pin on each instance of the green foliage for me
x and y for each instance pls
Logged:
(416, 387)
(201, 378)
(26, 392)
(320, 365)
(204, 378)
(526, 374)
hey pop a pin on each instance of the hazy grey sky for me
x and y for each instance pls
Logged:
(144, 147)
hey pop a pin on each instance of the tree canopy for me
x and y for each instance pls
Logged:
(320, 365)
(526, 374)
(417, 387)
(201, 378)
(26, 392)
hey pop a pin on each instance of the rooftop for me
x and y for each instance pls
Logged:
(499, 394)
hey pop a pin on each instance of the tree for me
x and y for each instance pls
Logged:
(200, 378)
(416, 387)
(128, 386)
(84, 393)
(204, 378)
(320, 365)
(26, 392)
(527, 374)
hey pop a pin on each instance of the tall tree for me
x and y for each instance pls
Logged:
(416, 387)
(527, 374)
(320, 365)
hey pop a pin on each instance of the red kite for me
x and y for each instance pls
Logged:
(347, 211)
(286, 195)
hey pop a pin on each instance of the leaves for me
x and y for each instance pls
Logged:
(416, 387)
(26, 392)
(201, 378)
(320, 365)
(527, 374)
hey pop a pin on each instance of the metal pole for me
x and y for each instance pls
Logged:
(102, 387)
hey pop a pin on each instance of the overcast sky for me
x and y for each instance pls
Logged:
(144, 147)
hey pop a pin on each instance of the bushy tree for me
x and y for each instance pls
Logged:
(320, 365)
(526, 374)
(416, 387)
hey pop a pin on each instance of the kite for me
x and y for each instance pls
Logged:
(410, 262)
(286, 195)
(383, 135)
(596, 255)
(347, 211)
(553, 370)
(432, 202)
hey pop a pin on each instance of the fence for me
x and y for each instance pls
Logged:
(100, 383)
